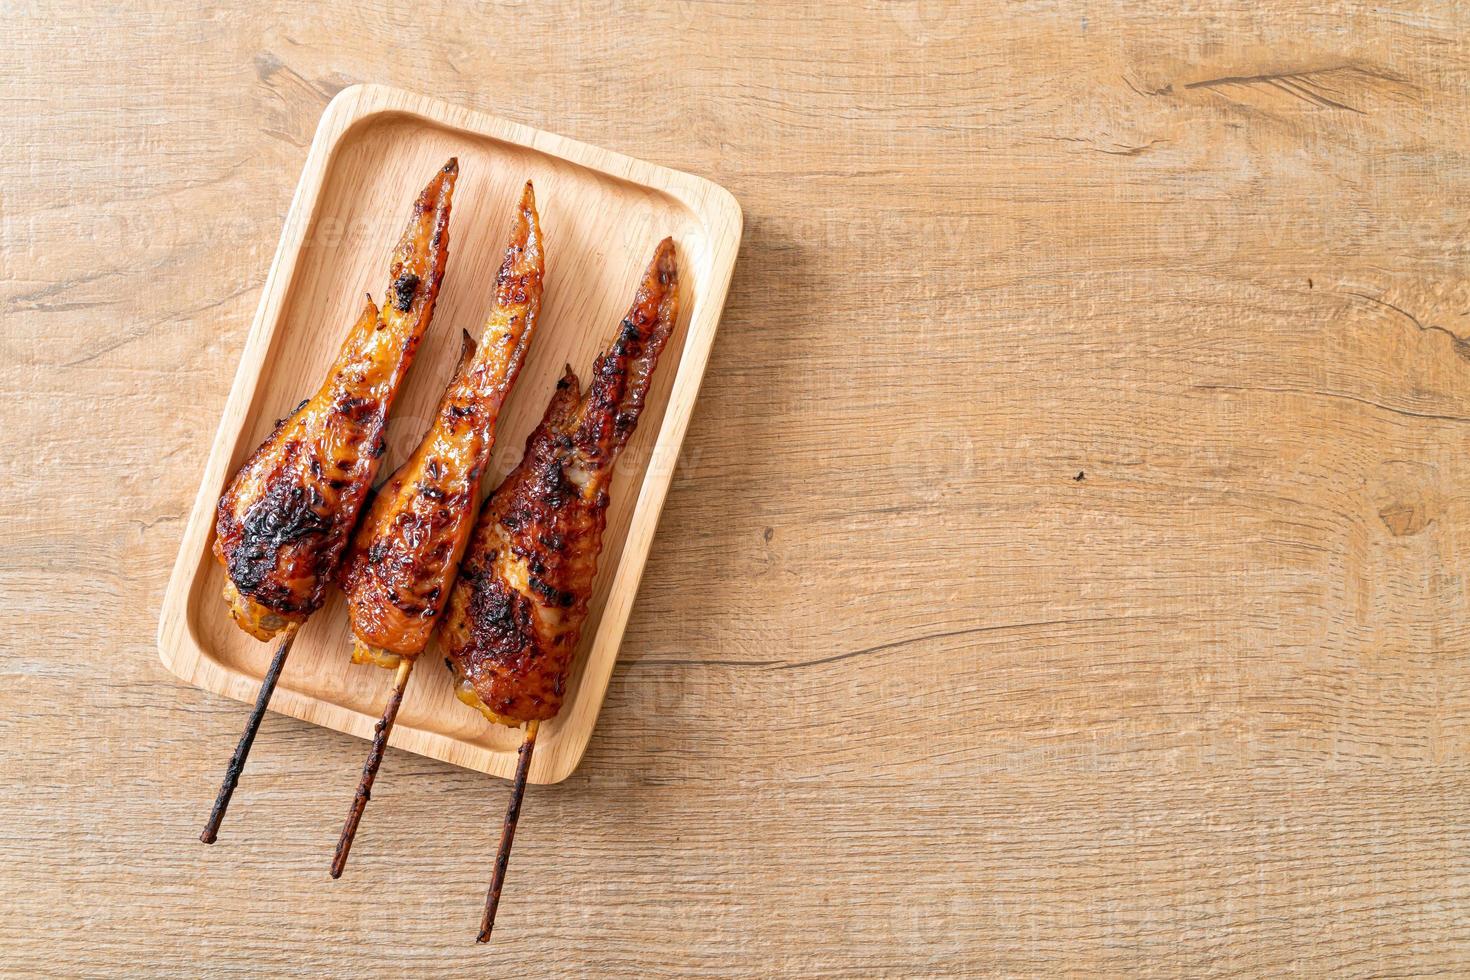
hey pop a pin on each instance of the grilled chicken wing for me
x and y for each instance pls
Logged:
(403, 558)
(515, 613)
(284, 519)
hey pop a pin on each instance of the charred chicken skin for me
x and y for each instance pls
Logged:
(285, 518)
(515, 613)
(403, 558)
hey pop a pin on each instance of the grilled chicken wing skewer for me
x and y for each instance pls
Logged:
(285, 517)
(515, 613)
(397, 573)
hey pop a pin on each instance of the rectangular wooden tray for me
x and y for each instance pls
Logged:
(602, 214)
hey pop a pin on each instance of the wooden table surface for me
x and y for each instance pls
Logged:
(1066, 572)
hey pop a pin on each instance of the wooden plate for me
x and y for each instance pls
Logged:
(601, 214)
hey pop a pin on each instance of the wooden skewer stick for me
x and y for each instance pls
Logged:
(508, 832)
(370, 768)
(247, 739)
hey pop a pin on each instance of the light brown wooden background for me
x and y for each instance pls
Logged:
(1067, 571)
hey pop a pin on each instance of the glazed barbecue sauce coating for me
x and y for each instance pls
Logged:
(284, 519)
(403, 558)
(515, 613)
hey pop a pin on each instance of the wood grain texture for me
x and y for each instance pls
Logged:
(1065, 572)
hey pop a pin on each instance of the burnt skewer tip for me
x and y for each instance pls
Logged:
(508, 832)
(370, 768)
(247, 739)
